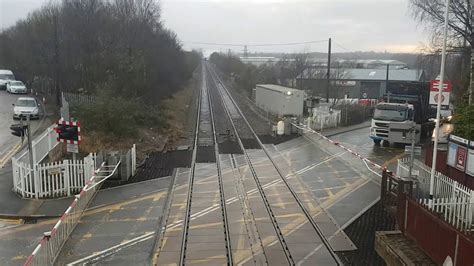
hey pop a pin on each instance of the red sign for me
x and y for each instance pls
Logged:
(461, 156)
(446, 88)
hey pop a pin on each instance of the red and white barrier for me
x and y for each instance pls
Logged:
(355, 153)
(50, 245)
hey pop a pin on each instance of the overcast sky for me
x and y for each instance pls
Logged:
(355, 25)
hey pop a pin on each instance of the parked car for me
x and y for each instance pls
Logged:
(25, 106)
(5, 77)
(16, 86)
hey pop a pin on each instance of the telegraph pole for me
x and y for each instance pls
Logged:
(386, 83)
(56, 60)
(328, 74)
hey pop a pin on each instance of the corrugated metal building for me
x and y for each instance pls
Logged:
(279, 100)
(356, 82)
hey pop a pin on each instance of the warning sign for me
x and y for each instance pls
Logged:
(434, 93)
(446, 88)
(461, 156)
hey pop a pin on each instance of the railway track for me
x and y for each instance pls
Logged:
(242, 128)
(233, 206)
(192, 194)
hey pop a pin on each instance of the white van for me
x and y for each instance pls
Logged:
(5, 77)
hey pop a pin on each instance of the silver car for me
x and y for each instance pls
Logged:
(26, 106)
(16, 86)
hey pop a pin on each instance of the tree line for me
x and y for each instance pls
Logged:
(246, 76)
(460, 44)
(119, 46)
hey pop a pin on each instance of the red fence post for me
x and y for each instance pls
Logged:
(401, 208)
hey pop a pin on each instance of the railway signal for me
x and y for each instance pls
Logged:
(19, 130)
(68, 131)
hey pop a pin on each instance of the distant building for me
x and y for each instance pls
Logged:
(259, 60)
(360, 63)
(376, 63)
(279, 100)
(356, 82)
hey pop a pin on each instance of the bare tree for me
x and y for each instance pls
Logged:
(431, 13)
(338, 84)
(299, 65)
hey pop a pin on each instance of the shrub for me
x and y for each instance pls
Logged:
(117, 116)
(463, 121)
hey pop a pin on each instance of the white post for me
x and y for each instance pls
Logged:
(67, 176)
(438, 107)
(470, 213)
(49, 139)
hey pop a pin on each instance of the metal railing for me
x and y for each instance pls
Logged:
(454, 201)
(50, 245)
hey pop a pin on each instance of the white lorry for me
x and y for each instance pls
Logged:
(406, 109)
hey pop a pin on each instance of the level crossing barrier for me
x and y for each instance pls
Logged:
(368, 163)
(50, 245)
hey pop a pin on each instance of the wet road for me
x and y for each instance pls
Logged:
(384, 155)
(8, 142)
(359, 140)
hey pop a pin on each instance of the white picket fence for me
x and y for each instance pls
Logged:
(52, 180)
(451, 199)
(41, 146)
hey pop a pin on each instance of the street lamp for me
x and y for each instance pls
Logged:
(438, 107)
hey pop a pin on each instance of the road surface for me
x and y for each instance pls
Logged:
(8, 142)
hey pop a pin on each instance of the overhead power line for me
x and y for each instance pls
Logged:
(340, 46)
(258, 44)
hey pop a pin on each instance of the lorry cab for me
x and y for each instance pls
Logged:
(5, 77)
(393, 122)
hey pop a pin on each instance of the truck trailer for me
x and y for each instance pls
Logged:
(404, 108)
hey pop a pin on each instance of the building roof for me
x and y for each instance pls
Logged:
(366, 74)
(277, 88)
(380, 61)
(258, 59)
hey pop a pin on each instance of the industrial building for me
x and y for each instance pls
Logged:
(279, 100)
(356, 82)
